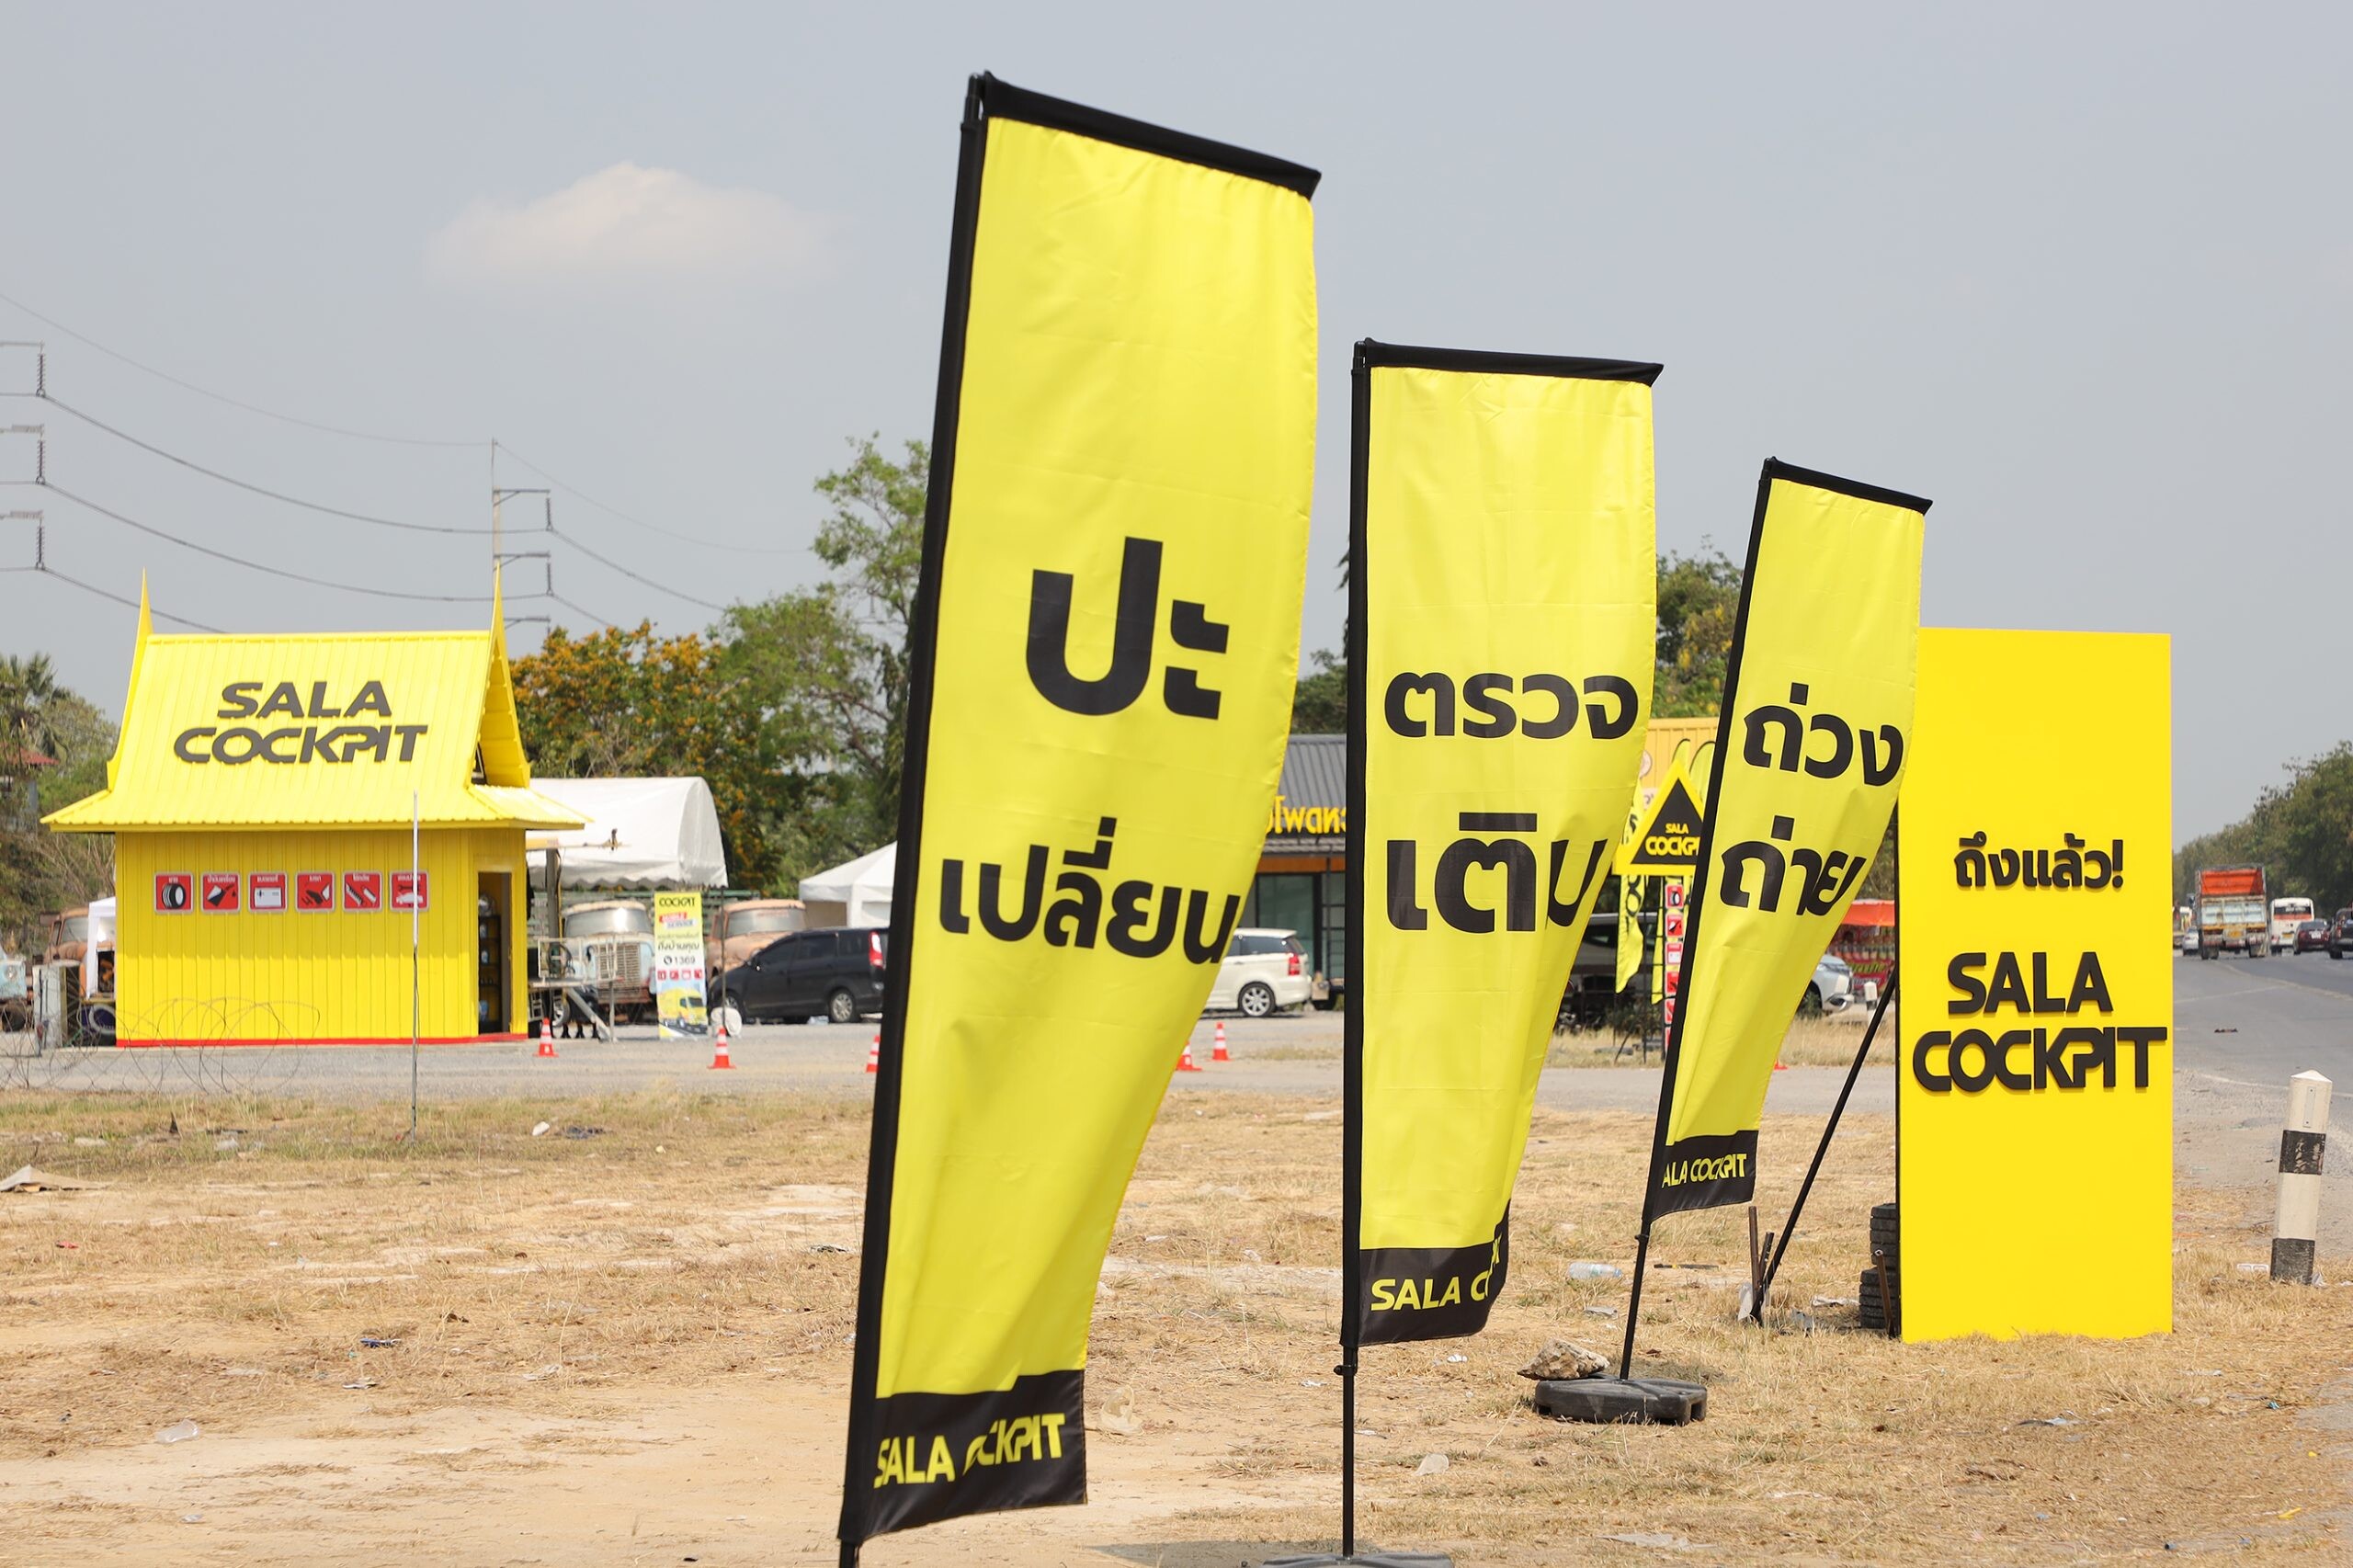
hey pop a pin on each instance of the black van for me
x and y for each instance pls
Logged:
(838, 973)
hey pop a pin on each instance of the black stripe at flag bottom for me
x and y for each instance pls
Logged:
(940, 1455)
(1404, 1293)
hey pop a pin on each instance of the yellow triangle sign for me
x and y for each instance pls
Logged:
(1667, 836)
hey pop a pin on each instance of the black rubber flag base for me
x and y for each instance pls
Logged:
(1655, 1402)
(1365, 1560)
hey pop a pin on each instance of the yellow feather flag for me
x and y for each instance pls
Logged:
(1503, 579)
(1104, 654)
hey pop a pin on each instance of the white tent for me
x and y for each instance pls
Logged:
(862, 887)
(641, 832)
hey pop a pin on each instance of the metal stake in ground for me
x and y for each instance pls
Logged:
(2303, 1143)
(1855, 1070)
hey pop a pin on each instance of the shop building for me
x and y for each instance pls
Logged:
(262, 798)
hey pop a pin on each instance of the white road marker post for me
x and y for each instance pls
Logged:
(2303, 1143)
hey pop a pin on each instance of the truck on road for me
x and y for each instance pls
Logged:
(2234, 911)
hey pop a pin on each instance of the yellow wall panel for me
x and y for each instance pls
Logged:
(342, 975)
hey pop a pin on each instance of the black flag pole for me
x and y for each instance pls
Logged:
(1855, 1070)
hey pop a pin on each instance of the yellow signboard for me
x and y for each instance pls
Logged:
(2035, 1165)
(1665, 840)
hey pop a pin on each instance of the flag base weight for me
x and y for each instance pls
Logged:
(1365, 1560)
(1652, 1402)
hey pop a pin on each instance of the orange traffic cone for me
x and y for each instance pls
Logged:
(1217, 1051)
(547, 1039)
(1184, 1062)
(874, 1053)
(1779, 1065)
(718, 1048)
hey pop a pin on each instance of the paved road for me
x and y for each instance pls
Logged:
(1290, 1056)
(2242, 1029)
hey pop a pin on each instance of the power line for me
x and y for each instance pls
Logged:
(222, 397)
(117, 598)
(262, 567)
(650, 528)
(578, 609)
(642, 582)
(92, 420)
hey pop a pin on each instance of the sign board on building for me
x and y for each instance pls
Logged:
(266, 892)
(175, 892)
(2035, 1165)
(219, 894)
(313, 891)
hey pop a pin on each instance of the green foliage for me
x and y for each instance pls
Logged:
(2300, 832)
(793, 709)
(1321, 705)
(42, 872)
(1699, 606)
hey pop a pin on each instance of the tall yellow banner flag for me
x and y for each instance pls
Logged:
(1503, 573)
(1817, 712)
(1104, 651)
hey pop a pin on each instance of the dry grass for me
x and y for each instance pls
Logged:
(565, 1286)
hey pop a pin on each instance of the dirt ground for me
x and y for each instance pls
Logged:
(626, 1341)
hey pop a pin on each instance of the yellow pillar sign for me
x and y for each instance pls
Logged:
(2034, 1170)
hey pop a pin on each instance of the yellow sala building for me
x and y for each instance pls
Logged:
(262, 798)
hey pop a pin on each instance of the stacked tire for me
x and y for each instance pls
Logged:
(1882, 1316)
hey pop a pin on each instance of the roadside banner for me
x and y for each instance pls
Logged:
(1503, 577)
(2034, 1173)
(1816, 715)
(1103, 656)
(679, 1002)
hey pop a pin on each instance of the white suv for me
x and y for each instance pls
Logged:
(1263, 970)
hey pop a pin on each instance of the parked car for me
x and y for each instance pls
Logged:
(1263, 970)
(803, 973)
(1831, 987)
(2340, 934)
(2312, 936)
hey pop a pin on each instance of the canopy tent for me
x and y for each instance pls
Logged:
(641, 832)
(862, 887)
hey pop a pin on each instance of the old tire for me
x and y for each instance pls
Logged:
(841, 1008)
(1257, 1000)
(1811, 1003)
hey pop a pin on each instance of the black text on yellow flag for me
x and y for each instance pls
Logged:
(1817, 711)
(1104, 653)
(1503, 573)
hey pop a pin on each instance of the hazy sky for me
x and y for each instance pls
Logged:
(2084, 274)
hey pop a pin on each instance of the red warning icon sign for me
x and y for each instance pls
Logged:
(313, 891)
(363, 890)
(220, 894)
(175, 892)
(410, 890)
(266, 892)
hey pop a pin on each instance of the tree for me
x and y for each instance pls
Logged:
(1321, 705)
(40, 871)
(1698, 606)
(2300, 832)
(827, 669)
(619, 702)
